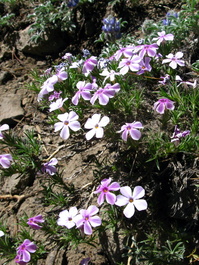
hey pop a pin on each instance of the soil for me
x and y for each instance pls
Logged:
(77, 158)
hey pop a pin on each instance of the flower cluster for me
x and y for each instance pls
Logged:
(111, 28)
(83, 219)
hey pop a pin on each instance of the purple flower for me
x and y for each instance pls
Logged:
(5, 160)
(49, 167)
(33, 222)
(61, 75)
(103, 94)
(126, 52)
(144, 66)
(58, 104)
(163, 104)
(66, 218)
(24, 250)
(163, 37)
(130, 64)
(174, 60)
(165, 79)
(85, 261)
(105, 189)
(86, 219)
(68, 120)
(131, 129)
(83, 90)
(89, 65)
(96, 126)
(149, 49)
(55, 95)
(178, 78)
(178, 134)
(131, 200)
(67, 56)
(3, 128)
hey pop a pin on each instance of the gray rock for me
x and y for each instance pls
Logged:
(51, 43)
(10, 108)
(14, 184)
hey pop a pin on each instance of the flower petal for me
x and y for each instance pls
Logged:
(129, 210)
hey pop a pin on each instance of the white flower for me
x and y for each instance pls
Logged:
(66, 218)
(96, 125)
(1, 233)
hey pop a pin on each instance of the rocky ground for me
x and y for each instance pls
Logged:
(19, 108)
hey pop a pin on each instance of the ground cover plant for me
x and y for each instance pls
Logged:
(138, 98)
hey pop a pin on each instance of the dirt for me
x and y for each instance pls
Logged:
(78, 159)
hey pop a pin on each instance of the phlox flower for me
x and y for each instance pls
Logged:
(132, 130)
(124, 51)
(144, 66)
(3, 128)
(55, 95)
(87, 219)
(129, 64)
(105, 191)
(174, 60)
(163, 104)
(146, 49)
(61, 75)
(58, 104)
(89, 65)
(5, 160)
(109, 74)
(178, 78)
(68, 120)
(132, 200)
(33, 222)
(103, 95)
(96, 126)
(47, 87)
(83, 90)
(165, 79)
(24, 250)
(49, 167)
(67, 218)
(163, 37)
(178, 134)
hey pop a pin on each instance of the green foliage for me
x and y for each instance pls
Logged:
(25, 151)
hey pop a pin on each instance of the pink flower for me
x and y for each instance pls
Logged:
(163, 37)
(96, 126)
(67, 218)
(83, 90)
(163, 104)
(103, 94)
(3, 128)
(131, 129)
(132, 200)
(86, 219)
(105, 189)
(33, 222)
(149, 49)
(174, 60)
(24, 250)
(178, 134)
(89, 65)
(5, 160)
(68, 120)
(130, 64)
(126, 52)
